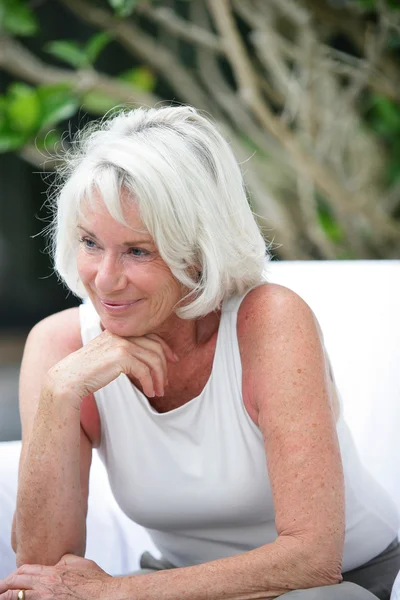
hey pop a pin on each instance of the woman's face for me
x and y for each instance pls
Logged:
(130, 286)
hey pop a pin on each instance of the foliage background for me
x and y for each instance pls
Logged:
(307, 92)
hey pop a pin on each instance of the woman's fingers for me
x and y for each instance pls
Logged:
(154, 351)
(21, 579)
(104, 358)
(142, 372)
(154, 357)
(73, 577)
(143, 364)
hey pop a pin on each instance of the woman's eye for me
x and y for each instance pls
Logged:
(139, 252)
(88, 243)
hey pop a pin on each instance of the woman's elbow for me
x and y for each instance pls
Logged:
(327, 573)
(325, 566)
(44, 552)
(45, 558)
(315, 563)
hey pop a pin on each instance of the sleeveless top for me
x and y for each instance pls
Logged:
(196, 477)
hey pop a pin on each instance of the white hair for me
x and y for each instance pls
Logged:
(176, 166)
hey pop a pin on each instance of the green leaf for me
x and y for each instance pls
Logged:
(68, 51)
(3, 108)
(393, 165)
(23, 108)
(96, 45)
(140, 77)
(328, 222)
(16, 17)
(11, 140)
(123, 8)
(58, 103)
(367, 4)
(388, 114)
(99, 103)
(3, 104)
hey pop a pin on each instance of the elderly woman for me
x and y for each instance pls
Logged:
(207, 392)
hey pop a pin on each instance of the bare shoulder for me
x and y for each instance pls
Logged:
(50, 340)
(59, 333)
(269, 307)
(273, 322)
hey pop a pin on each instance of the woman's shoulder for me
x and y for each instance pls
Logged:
(265, 314)
(60, 331)
(266, 304)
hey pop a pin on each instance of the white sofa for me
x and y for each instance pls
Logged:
(358, 307)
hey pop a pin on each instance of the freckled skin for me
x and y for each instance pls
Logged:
(276, 334)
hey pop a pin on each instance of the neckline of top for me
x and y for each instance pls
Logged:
(145, 401)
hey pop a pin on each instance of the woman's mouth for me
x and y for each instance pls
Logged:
(117, 307)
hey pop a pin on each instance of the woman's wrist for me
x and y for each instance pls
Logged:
(117, 588)
(55, 392)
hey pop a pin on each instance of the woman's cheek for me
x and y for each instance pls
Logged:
(86, 268)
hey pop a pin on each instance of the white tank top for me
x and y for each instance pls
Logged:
(196, 477)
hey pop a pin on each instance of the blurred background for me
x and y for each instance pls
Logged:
(306, 91)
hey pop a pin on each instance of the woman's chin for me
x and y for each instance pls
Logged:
(123, 328)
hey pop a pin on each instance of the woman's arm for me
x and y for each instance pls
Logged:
(56, 454)
(57, 374)
(286, 381)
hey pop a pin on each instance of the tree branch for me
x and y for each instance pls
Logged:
(186, 30)
(346, 205)
(387, 81)
(267, 204)
(146, 48)
(243, 70)
(20, 62)
(235, 50)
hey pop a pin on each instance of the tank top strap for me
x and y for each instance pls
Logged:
(231, 305)
(229, 354)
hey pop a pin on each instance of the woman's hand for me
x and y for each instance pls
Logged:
(72, 578)
(106, 357)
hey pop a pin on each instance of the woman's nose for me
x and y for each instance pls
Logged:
(110, 276)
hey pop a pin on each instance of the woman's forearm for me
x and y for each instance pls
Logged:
(50, 517)
(265, 572)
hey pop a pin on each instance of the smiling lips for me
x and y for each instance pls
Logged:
(117, 306)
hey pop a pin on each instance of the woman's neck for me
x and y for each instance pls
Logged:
(185, 336)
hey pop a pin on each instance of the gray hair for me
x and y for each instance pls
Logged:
(177, 167)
